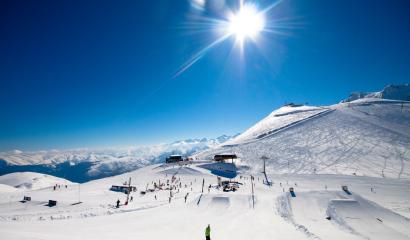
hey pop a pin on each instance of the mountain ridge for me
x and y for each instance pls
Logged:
(367, 137)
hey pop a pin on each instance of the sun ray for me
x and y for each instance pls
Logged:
(245, 24)
(199, 55)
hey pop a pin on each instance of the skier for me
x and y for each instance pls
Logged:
(118, 203)
(208, 233)
(132, 198)
(186, 196)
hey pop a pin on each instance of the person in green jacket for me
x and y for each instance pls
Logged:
(208, 232)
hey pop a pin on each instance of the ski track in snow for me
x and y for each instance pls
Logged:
(343, 141)
(276, 215)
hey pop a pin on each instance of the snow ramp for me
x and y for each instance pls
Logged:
(224, 201)
(368, 219)
(323, 213)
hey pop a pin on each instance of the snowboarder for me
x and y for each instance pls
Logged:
(208, 232)
(118, 203)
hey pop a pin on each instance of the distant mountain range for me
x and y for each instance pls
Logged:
(81, 165)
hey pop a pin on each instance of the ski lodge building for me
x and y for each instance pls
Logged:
(224, 157)
(174, 158)
(124, 188)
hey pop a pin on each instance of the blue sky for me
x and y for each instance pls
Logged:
(100, 73)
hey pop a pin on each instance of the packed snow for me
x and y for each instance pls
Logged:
(376, 208)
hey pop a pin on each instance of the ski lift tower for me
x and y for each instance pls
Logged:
(128, 190)
(266, 181)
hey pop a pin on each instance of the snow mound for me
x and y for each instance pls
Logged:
(330, 213)
(7, 189)
(31, 180)
(367, 219)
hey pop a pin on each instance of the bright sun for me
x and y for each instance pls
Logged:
(246, 23)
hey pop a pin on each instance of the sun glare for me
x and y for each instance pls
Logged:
(246, 23)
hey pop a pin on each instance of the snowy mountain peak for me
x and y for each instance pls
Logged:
(392, 92)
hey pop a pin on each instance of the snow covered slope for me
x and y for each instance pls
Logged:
(7, 189)
(368, 137)
(82, 165)
(278, 119)
(274, 214)
(31, 180)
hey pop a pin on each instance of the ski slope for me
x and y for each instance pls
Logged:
(278, 119)
(366, 137)
(233, 215)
